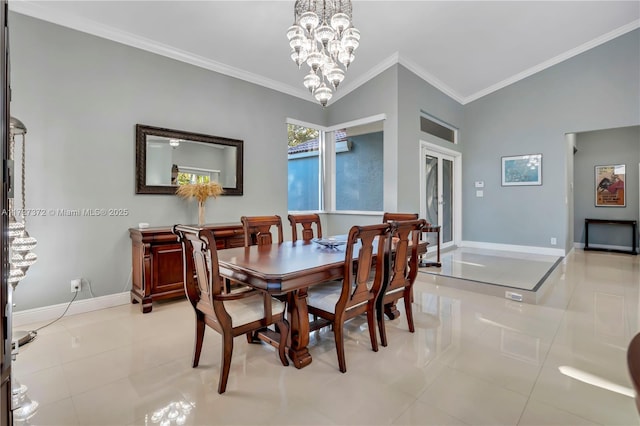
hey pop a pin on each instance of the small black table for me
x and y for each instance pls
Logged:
(634, 230)
(425, 263)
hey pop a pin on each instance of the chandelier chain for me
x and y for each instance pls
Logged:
(22, 180)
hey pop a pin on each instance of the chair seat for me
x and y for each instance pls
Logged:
(325, 296)
(250, 309)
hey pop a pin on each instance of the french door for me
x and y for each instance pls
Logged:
(440, 192)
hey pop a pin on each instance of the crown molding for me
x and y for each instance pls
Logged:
(554, 61)
(50, 14)
(123, 37)
(372, 73)
(429, 78)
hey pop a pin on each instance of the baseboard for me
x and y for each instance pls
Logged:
(514, 248)
(48, 313)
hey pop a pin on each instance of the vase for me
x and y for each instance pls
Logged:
(200, 213)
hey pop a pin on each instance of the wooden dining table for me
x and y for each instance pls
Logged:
(288, 268)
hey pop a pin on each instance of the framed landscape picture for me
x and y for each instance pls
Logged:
(522, 170)
(610, 185)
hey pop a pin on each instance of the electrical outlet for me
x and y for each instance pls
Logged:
(554, 241)
(513, 296)
(76, 285)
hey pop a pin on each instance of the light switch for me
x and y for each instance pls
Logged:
(479, 184)
(480, 193)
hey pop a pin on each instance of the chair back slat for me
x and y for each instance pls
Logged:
(403, 268)
(201, 271)
(257, 229)
(363, 279)
(306, 221)
(395, 217)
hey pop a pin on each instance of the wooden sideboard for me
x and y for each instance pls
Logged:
(157, 261)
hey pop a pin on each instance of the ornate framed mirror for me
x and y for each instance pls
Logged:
(167, 158)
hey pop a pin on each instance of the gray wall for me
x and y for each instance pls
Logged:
(598, 148)
(415, 96)
(598, 89)
(377, 96)
(80, 97)
(357, 170)
(302, 189)
(401, 95)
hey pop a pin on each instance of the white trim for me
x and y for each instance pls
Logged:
(513, 248)
(457, 184)
(50, 14)
(353, 84)
(123, 37)
(429, 78)
(554, 61)
(358, 122)
(295, 122)
(436, 120)
(197, 169)
(48, 313)
(354, 212)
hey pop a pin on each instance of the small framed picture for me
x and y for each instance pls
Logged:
(610, 185)
(521, 170)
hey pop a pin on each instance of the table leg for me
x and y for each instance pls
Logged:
(424, 263)
(586, 234)
(298, 316)
(438, 236)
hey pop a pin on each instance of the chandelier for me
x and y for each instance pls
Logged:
(324, 37)
(21, 243)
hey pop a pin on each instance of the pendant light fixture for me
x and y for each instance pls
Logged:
(323, 37)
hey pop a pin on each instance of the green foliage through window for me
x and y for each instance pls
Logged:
(298, 134)
(185, 178)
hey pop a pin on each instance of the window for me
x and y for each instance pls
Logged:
(184, 175)
(303, 152)
(348, 174)
(359, 167)
(438, 128)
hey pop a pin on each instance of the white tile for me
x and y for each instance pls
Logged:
(55, 414)
(472, 400)
(423, 414)
(473, 359)
(540, 414)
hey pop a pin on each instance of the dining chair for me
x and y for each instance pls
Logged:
(231, 314)
(391, 217)
(335, 302)
(401, 273)
(633, 363)
(257, 229)
(306, 221)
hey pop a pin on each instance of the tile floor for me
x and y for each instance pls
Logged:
(474, 359)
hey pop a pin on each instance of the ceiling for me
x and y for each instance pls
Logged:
(465, 49)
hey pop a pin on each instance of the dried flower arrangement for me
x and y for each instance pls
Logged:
(201, 192)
